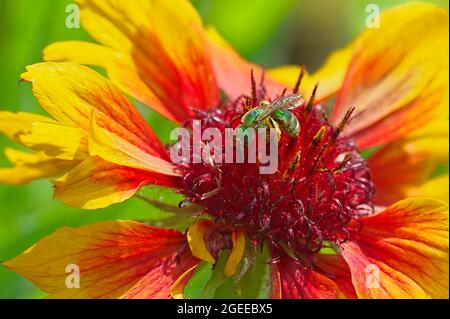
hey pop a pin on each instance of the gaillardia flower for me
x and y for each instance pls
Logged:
(329, 223)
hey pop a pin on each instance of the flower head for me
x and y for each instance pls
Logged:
(329, 217)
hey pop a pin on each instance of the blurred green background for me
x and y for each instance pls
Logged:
(268, 32)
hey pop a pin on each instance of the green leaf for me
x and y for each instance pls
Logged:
(165, 202)
(246, 24)
(251, 281)
(196, 285)
(217, 278)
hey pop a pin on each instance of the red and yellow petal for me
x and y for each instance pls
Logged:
(100, 121)
(335, 268)
(116, 259)
(110, 146)
(398, 75)
(291, 280)
(403, 168)
(160, 44)
(71, 92)
(401, 252)
(96, 183)
(119, 66)
(233, 72)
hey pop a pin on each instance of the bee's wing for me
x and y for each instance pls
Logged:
(291, 101)
(288, 102)
(268, 111)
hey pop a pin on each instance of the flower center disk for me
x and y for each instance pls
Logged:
(320, 188)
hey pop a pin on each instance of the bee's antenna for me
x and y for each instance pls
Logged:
(310, 104)
(299, 80)
(252, 76)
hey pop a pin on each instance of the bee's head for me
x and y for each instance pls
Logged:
(264, 104)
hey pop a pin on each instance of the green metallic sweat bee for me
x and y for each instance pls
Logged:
(275, 115)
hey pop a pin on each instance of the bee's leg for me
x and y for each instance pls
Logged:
(273, 124)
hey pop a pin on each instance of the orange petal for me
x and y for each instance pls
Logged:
(291, 280)
(95, 183)
(71, 92)
(233, 72)
(398, 76)
(31, 166)
(106, 144)
(335, 268)
(400, 168)
(401, 252)
(115, 259)
(161, 43)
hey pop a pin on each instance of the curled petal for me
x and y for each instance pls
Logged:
(401, 252)
(115, 259)
(238, 239)
(196, 240)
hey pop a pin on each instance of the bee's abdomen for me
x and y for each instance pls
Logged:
(287, 121)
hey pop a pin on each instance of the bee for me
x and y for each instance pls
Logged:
(276, 115)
